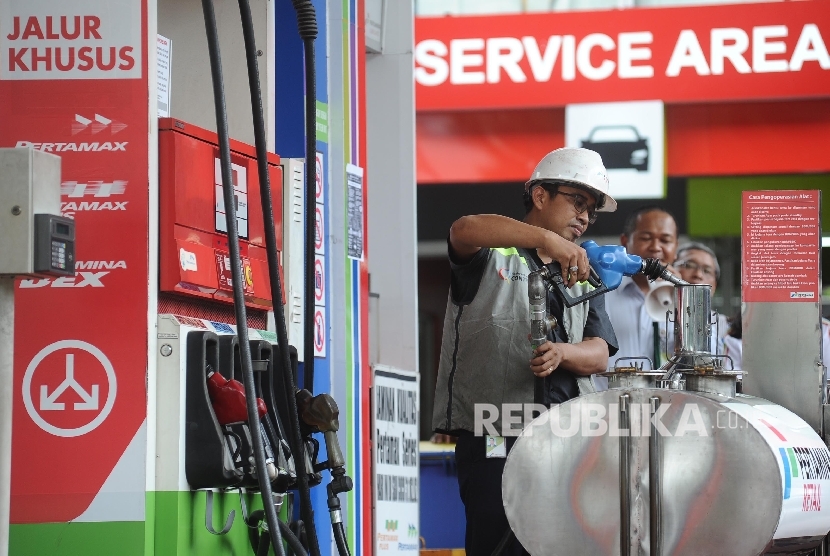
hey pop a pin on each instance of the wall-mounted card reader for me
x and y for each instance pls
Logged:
(54, 245)
(35, 240)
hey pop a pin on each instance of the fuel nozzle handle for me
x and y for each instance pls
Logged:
(321, 414)
(552, 273)
(611, 263)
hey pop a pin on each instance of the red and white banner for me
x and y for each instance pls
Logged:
(81, 39)
(80, 342)
(709, 53)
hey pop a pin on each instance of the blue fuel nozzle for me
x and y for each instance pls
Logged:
(611, 263)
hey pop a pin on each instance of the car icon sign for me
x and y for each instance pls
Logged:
(620, 147)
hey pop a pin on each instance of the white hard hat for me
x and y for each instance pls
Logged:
(581, 167)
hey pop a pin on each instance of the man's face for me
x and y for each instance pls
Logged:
(560, 214)
(654, 237)
(697, 267)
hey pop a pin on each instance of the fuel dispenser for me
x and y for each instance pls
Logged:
(220, 242)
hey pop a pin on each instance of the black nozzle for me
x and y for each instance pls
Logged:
(653, 269)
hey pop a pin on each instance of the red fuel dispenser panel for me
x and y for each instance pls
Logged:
(193, 248)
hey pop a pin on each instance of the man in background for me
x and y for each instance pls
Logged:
(650, 232)
(697, 264)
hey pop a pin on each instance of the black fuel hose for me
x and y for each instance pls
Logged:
(293, 542)
(340, 539)
(307, 25)
(264, 546)
(295, 437)
(236, 273)
(257, 540)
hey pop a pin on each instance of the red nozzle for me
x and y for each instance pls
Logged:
(228, 400)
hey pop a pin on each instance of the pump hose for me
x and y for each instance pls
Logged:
(307, 25)
(293, 541)
(295, 436)
(340, 539)
(236, 273)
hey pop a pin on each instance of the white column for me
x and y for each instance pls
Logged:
(392, 233)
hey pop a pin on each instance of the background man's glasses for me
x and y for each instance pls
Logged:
(580, 204)
(693, 266)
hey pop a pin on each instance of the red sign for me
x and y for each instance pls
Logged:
(764, 51)
(80, 342)
(781, 243)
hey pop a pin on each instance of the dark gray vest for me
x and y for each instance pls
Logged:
(485, 351)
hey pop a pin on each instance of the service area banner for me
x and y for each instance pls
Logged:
(73, 82)
(396, 453)
(774, 50)
(781, 246)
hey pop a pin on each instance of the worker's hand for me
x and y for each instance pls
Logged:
(546, 358)
(569, 255)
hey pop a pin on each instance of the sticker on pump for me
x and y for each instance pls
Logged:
(320, 332)
(318, 179)
(319, 231)
(319, 280)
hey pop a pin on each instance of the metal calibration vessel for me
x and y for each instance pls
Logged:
(667, 471)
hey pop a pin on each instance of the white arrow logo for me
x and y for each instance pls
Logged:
(48, 403)
(91, 399)
(99, 123)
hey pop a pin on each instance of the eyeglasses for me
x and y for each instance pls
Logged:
(693, 266)
(580, 204)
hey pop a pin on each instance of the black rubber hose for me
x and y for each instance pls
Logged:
(340, 539)
(307, 25)
(295, 438)
(236, 272)
(293, 542)
(264, 545)
(253, 521)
